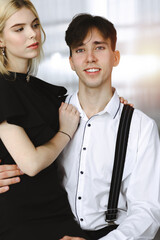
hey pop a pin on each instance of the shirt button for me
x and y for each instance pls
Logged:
(81, 219)
(89, 125)
(79, 198)
(81, 172)
(84, 148)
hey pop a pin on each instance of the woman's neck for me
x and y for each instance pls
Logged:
(21, 68)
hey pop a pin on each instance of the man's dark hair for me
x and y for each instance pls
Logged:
(82, 23)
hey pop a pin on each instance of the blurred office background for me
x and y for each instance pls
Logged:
(137, 78)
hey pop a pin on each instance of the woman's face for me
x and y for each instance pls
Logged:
(21, 38)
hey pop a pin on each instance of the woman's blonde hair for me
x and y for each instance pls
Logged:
(7, 9)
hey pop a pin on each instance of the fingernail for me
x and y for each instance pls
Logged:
(17, 179)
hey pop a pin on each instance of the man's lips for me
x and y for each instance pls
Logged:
(92, 70)
(34, 45)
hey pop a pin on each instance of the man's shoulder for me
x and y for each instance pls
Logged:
(142, 118)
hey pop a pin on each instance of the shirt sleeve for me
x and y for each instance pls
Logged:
(16, 106)
(143, 193)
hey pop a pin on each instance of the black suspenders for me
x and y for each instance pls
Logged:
(119, 160)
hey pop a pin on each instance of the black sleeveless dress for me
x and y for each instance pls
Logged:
(36, 208)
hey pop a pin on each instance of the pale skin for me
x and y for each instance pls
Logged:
(21, 30)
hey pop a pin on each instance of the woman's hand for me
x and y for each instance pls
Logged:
(68, 119)
(124, 101)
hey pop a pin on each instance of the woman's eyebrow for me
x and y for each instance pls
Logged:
(18, 24)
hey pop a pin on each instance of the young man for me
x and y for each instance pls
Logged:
(87, 161)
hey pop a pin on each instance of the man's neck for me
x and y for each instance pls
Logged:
(94, 101)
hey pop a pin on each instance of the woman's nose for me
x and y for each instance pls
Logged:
(32, 33)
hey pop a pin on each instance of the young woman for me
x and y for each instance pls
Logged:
(37, 208)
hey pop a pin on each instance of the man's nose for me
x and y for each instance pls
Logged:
(91, 56)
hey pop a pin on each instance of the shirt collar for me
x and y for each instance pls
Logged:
(111, 108)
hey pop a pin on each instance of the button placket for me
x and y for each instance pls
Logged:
(81, 180)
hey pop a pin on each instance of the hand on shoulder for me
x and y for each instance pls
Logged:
(68, 118)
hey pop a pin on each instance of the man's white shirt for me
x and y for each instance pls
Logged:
(87, 164)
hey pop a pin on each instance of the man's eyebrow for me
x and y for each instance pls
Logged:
(19, 24)
(100, 42)
(81, 44)
(95, 43)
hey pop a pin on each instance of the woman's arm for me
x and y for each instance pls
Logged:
(9, 173)
(30, 159)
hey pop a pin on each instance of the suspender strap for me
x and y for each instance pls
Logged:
(119, 160)
(97, 234)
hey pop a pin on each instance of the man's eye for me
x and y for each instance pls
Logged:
(79, 50)
(100, 48)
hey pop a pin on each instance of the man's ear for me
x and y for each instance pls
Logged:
(71, 63)
(116, 58)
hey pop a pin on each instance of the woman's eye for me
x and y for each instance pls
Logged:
(19, 29)
(36, 25)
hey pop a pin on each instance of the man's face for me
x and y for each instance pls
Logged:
(93, 60)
